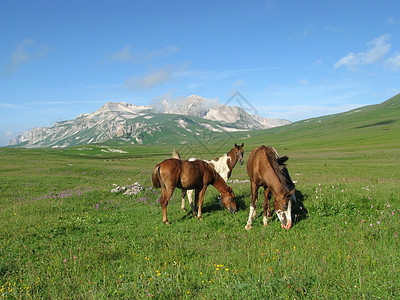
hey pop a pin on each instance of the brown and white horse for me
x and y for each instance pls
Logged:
(265, 168)
(175, 173)
(223, 165)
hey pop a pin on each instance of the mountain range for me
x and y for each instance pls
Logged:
(190, 118)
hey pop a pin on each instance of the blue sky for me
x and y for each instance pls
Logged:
(289, 59)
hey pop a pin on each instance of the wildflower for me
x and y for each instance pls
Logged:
(64, 261)
(395, 235)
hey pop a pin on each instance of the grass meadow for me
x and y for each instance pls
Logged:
(63, 235)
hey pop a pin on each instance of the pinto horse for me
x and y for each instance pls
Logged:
(223, 165)
(198, 175)
(265, 168)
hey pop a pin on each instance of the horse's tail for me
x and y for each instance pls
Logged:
(175, 154)
(156, 177)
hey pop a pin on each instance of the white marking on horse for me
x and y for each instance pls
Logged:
(252, 215)
(285, 216)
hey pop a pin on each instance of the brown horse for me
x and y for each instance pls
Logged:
(223, 165)
(174, 173)
(265, 168)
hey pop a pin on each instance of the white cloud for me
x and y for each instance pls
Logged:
(124, 55)
(318, 61)
(11, 106)
(8, 134)
(302, 35)
(304, 81)
(334, 29)
(23, 53)
(393, 63)
(127, 55)
(391, 21)
(169, 104)
(377, 49)
(148, 81)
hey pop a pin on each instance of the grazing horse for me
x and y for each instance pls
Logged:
(174, 173)
(223, 165)
(265, 168)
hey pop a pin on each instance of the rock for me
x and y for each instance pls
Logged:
(133, 189)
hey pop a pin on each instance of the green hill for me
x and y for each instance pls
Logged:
(374, 125)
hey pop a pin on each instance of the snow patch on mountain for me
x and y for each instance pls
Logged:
(136, 124)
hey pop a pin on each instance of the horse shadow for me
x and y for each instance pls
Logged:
(299, 210)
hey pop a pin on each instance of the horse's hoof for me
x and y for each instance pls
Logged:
(200, 219)
(166, 223)
(288, 226)
(248, 227)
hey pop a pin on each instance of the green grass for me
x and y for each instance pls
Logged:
(63, 235)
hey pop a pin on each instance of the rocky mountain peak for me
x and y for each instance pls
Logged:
(140, 124)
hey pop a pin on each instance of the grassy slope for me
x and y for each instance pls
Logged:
(64, 235)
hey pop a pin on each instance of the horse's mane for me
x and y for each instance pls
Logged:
(212, 170)
(278, 165)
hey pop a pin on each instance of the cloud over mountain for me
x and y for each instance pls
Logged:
(148, 81)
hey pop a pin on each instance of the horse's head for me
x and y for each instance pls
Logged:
(283, 208)
(239, 153)
(228, 199)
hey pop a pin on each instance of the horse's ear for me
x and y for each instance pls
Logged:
(289, 194)
(236, 145)
(242, 145)
(282, 160)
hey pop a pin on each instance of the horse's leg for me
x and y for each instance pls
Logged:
(183, 200)
(166, 194)
(190, 198)
(225, 178)
(254, 198)
(266, 205)
(200, 198)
